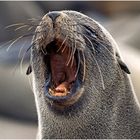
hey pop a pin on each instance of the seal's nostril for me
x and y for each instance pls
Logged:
(53, 15)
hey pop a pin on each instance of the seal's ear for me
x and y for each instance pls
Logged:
(123, 65)
(29, 70)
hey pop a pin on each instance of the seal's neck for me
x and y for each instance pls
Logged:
(97, 115)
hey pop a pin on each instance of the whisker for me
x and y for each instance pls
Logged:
(34, 19)
(16, 65)
(30, 83)
(64, 48)
(45, 53)
(26, 35)
(22, 56)
(78, 64)
(69, 52)
(12, 25)
(102, 44)
(31, 46)
(84, 67)
(73, 50)
(89, 42)
(21, 62)
(29, 28)
(70, 57)
(106, 48)
(74, 36)
(21, 24)
(32, 33)
(19, 54)
(101, 76)
(6, 43)
(22, 59)
(62, 43)
(21, 27)
(86, 38)
(13, 42)
(99, 41)
(73, 53)
(71, 24)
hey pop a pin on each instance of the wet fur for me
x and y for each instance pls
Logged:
(109, 112)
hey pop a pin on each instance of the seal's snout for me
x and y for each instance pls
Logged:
(54, 15)
(60, 46)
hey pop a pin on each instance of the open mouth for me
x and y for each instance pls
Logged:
(63, 71)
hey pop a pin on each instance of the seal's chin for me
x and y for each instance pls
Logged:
(63, 85)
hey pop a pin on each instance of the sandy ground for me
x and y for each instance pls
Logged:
(12, 129)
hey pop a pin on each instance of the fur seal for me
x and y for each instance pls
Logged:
(81, 84)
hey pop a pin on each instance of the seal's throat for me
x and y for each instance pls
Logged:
(62, 64)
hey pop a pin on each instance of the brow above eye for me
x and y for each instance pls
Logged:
(91, 31)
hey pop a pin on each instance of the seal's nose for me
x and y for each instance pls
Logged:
(53, 15)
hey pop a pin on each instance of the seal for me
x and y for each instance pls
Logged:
(81, 84)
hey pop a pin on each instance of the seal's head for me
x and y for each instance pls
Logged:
(69, 53)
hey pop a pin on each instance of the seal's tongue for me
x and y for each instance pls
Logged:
(63, 74)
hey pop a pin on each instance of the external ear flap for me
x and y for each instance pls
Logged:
(29, 70)
(123, 65)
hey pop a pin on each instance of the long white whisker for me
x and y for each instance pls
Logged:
(70, 56)
(73, 53)
(78, 65)
(12, 25)
(6, 43)
(84, 65)
(62, 43)
(29, 28)
(90, 42)
(21, 27)
(19, 54)
(45, 53)
(101, 76)
(13, 42)
(21, 62)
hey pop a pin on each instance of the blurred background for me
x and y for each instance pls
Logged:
(18, 117)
